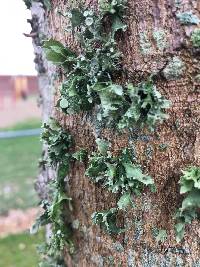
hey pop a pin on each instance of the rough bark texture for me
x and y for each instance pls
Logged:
(180, 132)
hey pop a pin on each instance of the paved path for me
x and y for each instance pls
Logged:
(17, 221)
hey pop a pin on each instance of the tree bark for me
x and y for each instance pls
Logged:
(142, 56)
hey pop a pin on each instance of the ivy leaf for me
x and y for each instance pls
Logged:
(124, 201)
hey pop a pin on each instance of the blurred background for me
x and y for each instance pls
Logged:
(20, 147)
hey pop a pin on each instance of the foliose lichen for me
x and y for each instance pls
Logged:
(145, 45)
(187, 18)
(118, 247)
(174, 69)
(195, 38)
(160, 37)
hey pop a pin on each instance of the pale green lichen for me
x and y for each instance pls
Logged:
(160, 37)
(163, 146)
(138, 230)
(111, 261)
(75, 224)
(196, 264)
(149, 152)
(118, 247)
(195, 38)
(178, 3)
(131, 259)
(187, 18)
(149, 258)
(145, 44)
(98, 260)
(174, 69)
(197, 78)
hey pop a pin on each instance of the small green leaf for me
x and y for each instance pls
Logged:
(103, 146)
(180, 231)
(135, 172)
(47, 4)
(63, 170)
(40, 221)
(80, 155)
(192, 200)
(117, 89)
(107, 220)
(117, 25)
(76, 17)
(162, 236)
(124, 201)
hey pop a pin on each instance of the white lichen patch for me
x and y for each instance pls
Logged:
(160, 37)
(174, 69)
(145, 44)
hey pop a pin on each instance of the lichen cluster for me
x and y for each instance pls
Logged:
(195, 38)
(91, 79)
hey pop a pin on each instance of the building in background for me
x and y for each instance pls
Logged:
(15, 88)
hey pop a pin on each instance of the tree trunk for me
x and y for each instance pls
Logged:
(144, 54)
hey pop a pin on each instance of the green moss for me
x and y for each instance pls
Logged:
(174, 69)
(195, 38)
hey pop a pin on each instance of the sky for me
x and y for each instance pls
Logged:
(16, 51)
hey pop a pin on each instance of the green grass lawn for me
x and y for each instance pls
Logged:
(28, 124)
(20, 250)
(18, 169)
